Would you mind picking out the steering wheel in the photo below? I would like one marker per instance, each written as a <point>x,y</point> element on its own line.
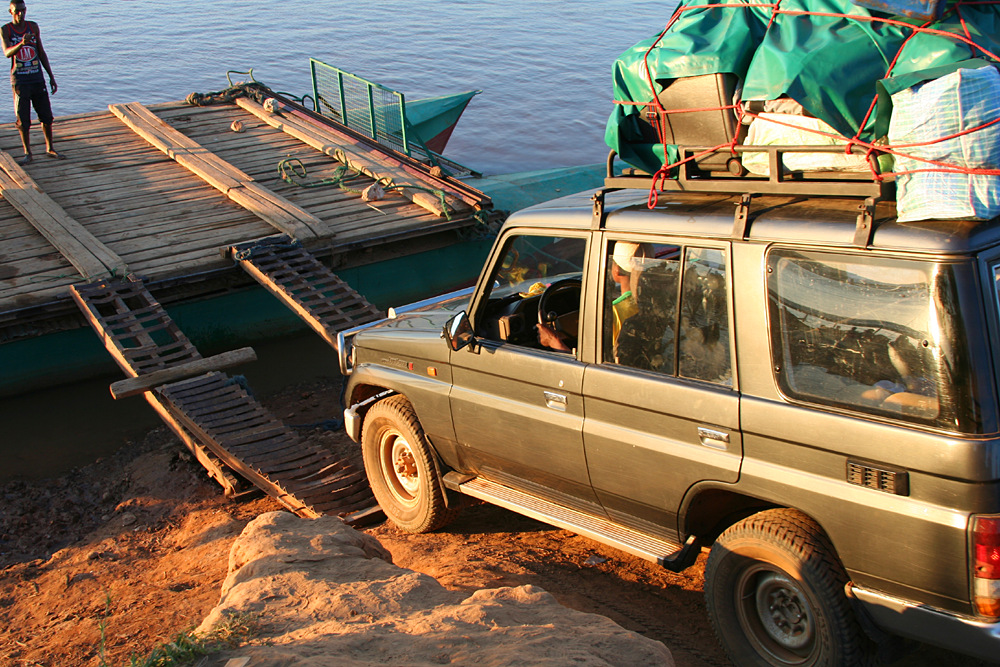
<point>559,307</point>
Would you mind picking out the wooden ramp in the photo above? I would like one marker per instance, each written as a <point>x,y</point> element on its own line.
<point>304,284</point>
<point>222,424</point>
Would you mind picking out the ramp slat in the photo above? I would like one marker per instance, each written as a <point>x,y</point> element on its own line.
<point>212,414</point>
<point>304,284</point>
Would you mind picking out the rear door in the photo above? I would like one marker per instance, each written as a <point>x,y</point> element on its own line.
<point>662,412</point>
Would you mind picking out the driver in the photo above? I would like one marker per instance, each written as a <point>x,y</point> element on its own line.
<point>626,258</point>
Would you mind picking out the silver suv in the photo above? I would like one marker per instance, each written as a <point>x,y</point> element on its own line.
<point>798,383</point>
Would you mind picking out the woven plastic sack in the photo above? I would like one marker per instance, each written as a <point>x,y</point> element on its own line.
<point>772,129</point>
<point>964,99</point>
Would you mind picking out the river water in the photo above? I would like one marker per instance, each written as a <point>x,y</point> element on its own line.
<point>544,69</point>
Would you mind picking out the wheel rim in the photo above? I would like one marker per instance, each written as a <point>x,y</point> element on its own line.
<point>776,615</point>
<point>399,467</point>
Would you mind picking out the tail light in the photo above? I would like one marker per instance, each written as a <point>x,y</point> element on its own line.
<point>986,565</point>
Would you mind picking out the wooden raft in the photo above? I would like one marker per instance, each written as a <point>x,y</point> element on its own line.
<point>82,249</point>
<point>221,175</point>
<point>215,417</point>
<point>304,284</point>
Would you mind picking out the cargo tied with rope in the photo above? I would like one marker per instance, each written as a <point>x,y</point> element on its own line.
<point>725,76</point>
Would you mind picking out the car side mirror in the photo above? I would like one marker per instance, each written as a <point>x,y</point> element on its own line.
<point>458,331</point>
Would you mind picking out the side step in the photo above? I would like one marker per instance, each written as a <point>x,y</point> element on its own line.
<point>304,284</point>
<point>670,555</point>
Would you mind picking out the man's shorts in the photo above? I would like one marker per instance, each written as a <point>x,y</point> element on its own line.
<point>27,95</point>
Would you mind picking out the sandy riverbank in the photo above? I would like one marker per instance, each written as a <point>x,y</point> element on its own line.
<point>139,542</point>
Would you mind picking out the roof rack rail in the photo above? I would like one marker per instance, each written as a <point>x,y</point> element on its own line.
<point>781,181</point>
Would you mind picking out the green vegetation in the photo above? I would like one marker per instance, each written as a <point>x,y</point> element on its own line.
<point>187,646</point>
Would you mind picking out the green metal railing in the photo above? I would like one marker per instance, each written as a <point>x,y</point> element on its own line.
<point>364,106</point>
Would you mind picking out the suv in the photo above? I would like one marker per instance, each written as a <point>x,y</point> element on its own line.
<point>808,391</point>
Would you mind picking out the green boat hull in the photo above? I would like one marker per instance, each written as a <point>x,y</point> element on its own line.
<point>239,318</point>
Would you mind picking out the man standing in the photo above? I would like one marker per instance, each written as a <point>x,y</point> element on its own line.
<point>22,43</point>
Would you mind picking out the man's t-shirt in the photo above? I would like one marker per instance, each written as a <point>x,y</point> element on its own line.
<point>25,66</point>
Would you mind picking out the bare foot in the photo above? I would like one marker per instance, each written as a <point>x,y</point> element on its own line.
<point>25,160</point>
<point>54,155</point>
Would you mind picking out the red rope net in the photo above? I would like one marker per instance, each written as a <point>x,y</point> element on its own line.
<point>871,149</point>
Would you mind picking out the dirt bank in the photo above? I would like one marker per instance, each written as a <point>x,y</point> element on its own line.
<point>138,544</point>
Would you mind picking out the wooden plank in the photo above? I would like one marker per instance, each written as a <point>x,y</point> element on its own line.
<point>220,174</point>
<point>91,258</point>
<point>215,471</point>
<point>338,149</point>
<point>189,145</point>
<point>174,147</point>
<point>144,383</point>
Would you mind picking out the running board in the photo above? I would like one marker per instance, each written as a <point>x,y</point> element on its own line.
<point>673,556</point>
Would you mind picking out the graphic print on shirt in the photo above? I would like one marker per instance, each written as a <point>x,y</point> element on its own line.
<point>26,66</point>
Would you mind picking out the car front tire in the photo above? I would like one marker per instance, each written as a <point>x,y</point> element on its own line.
<point>400,467</point>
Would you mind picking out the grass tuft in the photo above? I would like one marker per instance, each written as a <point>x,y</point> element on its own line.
<point>188,646</point>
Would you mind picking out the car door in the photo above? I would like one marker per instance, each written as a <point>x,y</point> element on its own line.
<point>517,405</point>
<point>662,412</point>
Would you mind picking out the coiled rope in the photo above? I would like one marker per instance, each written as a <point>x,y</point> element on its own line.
<point>292,171</point>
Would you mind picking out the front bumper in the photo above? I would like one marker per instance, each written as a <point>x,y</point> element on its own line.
<point>354,415</point>
<point>961,634</point>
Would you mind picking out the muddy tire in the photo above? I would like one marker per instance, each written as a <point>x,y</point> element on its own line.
<point>774,589</point>
<point>401,467</point>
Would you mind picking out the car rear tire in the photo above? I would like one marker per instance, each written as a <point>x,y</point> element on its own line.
<point>401,468</point>
<point>774,589</point>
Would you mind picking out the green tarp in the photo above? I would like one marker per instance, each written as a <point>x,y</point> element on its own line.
<point>829,64</point>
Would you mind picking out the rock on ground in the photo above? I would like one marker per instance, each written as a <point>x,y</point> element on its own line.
<point>327,594</point>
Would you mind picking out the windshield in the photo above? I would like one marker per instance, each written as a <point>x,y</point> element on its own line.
<point>879,335</point>
<point>530,263</point>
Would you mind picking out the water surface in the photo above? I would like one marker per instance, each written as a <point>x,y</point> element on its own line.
<point>545,68</point>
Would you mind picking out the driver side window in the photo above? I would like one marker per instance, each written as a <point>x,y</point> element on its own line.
<point>536,282</point>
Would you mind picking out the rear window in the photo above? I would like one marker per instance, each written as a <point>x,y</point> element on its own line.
<point>876,335</point>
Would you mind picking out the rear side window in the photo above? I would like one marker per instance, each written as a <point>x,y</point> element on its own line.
<point>666,310</point>
<point>876,335</point>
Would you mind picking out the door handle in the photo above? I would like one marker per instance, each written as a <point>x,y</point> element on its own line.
<point>713,438</point>
<point>555,401</point>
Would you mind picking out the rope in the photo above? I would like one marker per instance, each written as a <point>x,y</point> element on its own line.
<point>50,278</point>
<point>936,166</point>
<point>485,227</point>
<point>254,90</point>
<point>254,250</point>
<point>292,171</point>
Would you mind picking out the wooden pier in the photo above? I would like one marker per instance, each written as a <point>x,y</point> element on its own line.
<point>156,192</point>
<point>175,202</point>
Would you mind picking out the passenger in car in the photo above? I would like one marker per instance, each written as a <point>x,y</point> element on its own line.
<point>627,258</point>
<point>646,340</point>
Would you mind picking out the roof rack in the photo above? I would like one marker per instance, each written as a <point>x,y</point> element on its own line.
<point>781,181</point>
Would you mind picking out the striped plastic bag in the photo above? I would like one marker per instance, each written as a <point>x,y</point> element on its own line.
<point>964,99</point>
